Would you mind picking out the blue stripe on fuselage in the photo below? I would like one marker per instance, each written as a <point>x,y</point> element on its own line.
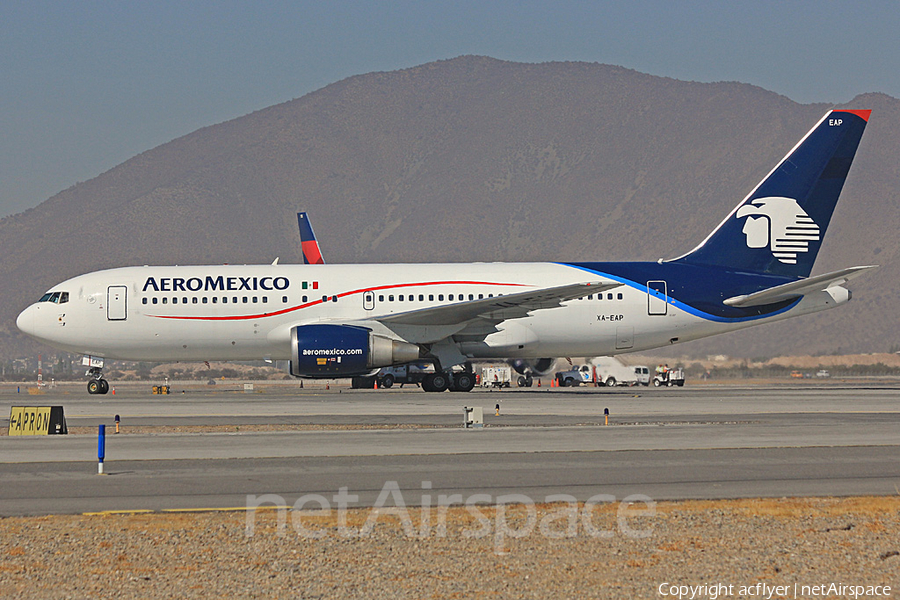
<point>696,289</point>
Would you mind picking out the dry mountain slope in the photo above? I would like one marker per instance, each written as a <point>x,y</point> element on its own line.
<point>472,159</point>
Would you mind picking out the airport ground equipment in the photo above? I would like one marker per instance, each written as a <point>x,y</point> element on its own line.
<point>669,377</point>
<point>496,377</point>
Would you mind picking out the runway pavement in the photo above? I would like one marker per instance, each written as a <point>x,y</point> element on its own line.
<point>703,442</point>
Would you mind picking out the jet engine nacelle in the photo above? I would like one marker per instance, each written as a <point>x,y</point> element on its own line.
<point>344,350</point>
<point>541,366</point>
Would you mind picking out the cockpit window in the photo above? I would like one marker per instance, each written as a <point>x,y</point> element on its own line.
<point>55,297</point>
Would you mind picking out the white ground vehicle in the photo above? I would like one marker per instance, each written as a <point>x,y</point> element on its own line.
<point>578,375</point>
<point>669,378</point>
<point>642,374</point>
<point>602,370</point>
<point>611,370</point>
<point>499,377</point>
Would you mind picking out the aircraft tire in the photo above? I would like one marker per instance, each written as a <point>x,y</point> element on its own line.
<point>529,380</point>
<point>463,382</point>
<point>93,386</point>
<point>104,386</point>
<point>436,382</point>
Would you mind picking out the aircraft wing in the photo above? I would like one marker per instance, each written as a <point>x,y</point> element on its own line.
<point>498,308</point>
<point>795,289</point>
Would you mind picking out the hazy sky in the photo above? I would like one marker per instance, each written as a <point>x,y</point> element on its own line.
<point>87,85</point>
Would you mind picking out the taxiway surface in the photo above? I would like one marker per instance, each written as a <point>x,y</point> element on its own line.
<point>704,442</point>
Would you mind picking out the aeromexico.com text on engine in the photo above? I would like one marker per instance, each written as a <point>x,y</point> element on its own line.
<point>220,283</point>
<point>333,352</point>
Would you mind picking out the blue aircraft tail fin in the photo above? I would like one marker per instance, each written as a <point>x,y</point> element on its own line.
<point>311,253</point>
<point>778,228</point>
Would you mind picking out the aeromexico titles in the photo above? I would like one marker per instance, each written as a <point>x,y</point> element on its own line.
<point>349,320</point>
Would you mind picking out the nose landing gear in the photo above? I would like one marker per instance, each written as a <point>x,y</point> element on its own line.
<point>97,385</point>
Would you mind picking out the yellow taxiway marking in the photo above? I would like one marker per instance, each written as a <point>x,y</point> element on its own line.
<point>118,512</point>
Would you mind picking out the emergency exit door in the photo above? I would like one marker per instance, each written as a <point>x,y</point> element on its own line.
<point>116,303</point>
<point>369,300</point>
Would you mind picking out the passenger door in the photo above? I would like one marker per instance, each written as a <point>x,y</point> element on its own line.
<point>116,303</point>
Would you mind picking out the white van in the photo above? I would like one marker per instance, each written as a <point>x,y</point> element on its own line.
<point>642,374</point>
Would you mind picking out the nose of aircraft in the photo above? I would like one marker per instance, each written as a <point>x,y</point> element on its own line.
<point>25,320</point>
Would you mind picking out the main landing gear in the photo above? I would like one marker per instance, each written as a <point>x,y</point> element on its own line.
<point>440,381</point>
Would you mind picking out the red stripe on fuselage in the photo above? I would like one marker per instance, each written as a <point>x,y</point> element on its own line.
<point>342,295</point>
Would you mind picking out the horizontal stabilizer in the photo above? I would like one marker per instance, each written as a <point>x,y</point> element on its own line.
<point>795,289</point>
